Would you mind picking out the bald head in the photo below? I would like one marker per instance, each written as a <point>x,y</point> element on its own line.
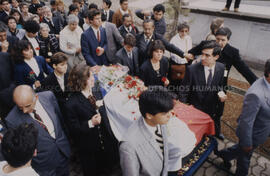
<point>25,98</point>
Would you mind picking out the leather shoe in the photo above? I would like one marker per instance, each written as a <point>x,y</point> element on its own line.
<point>220,136</point>
<point>236,10</point>
<point>225,9</point>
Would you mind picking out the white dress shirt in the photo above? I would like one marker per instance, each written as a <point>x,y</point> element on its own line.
<point>45,118</point>
<point>61,81</point>
<point>34,43</point>
<point>33,65</point>
<point>123,12</point>
<point>29,171</point>
<point>87,94</point>
<point>95,32</point>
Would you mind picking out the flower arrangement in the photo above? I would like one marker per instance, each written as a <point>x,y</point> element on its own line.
<point>134,85</point>
<point>110,76</point>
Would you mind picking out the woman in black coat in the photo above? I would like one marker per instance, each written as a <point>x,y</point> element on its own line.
<point>88,124</point>
<point>154,71</point>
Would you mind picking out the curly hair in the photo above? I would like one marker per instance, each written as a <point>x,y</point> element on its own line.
<point>17,51</point>
<point>77,80</point>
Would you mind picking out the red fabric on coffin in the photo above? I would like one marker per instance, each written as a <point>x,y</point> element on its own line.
<point>198,122</point>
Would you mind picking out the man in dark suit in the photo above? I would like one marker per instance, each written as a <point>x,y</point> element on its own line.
<point>253,124</point>
<point>144,39</point>
<point>31,30</point>
<point>43,111</point>
<point>203,83</point>
<point>6,10</point>
<point>157,16</point>
<point>128,26</point>
<point>7,84</point>
<point>54,23</point>
<point>129,56</point>
<point>106,10</point>
<point>94,41</point>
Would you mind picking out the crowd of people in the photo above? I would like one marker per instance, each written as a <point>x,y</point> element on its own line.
<point>51,105</point>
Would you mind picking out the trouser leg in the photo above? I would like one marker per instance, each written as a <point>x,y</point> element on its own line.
<point>243,161</point>
<point>228,3</point>
<point>237,3</point>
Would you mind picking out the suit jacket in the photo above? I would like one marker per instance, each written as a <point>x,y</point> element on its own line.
<point>51,83</point>
<point>89,140</point>
<point>144,47</point>
<point>124,32</point>
<point>140,153</point>
<point>3,17</point>
<point>114,40</point>
<point>22,72</point>
<point>150,76</point>
<point>196,92</point>
<point>230,57</point>
<point>160,26</point>
<point>56,27</point>
<point>111,12</point>
<point>34,51</point>
<point>133,64</point>
<point>117,17</point>
<point>7,84</point>
<point>50,151</point>
<point>89,44</point>
<point>254,121</point>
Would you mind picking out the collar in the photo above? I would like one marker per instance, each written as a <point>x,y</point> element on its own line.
<point>150,128</point>
<point>86,93</point>
<point>58,77</point>
<point>123,12</point>
<point>267,83</point>
<point>94,29</point>
<point>145,37</point>
<point>212,68</point>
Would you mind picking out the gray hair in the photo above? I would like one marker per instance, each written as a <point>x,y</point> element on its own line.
<point>72,18</point>
<point>44,25</point>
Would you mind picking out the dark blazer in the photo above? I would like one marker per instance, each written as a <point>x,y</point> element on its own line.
<point>50,151</point>
<point>133,64</point>
<point>111,12</point>
<point>78,112</point>
<point>160,26</point>
<point>56,27</point>
<point>3,17</point>
<point>51,83</point>
<point>7,84</point>
<point>143,46</point>
<point>22,72</point>
<point>124,32</point>
<point>196,92</point>
<point>230,57</point>
<point>34,52</point>
<point>11,42</point>
<point>89,44</point>
<point>150,76</point>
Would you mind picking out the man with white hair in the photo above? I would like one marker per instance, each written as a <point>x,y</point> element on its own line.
<point>53,22</point>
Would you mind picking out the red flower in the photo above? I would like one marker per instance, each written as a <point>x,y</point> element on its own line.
<point>129,97</point>
<point>138,89</point>
<point>133,83</point>
<point>133,112</point>
<point>128,78</point>
<point>110,83</point>
<point>31,72</point>
<point>37,48</point>
<point>163,79</point>
<point>136,77</point>
<point>134,118</point>
<point>97,50</point>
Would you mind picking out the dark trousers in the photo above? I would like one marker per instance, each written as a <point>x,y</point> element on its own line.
<point>243,158</point>
<point>236,3</point>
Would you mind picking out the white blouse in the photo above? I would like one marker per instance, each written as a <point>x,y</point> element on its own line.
<point>184,44</point>
<point>69,40</point>
<point>33,65</point>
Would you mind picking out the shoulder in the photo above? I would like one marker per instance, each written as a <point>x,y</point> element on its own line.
<point>46,95</point>
<point>194,66</point>
<point>119,52</point>
<point>133,133</point>
<point>220,65</point>
<point>230,49</point>
<point>146,64</point>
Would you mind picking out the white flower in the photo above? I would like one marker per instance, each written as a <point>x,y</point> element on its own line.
<point>99,103</point>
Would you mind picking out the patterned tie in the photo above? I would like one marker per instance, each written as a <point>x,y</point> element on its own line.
<point>210,78</point>
<point>98,35</point>
<point>92,101</point>
<point>159,140</point>
<point>40,121</point>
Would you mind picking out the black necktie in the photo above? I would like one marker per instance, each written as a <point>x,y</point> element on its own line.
<point>40,121</point>
<point>210,78</point>
<point>159,140</point>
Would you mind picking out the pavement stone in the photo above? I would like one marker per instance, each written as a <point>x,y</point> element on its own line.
<point>257,170</point>
<point>263,161</point>
<point>210,170</point>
